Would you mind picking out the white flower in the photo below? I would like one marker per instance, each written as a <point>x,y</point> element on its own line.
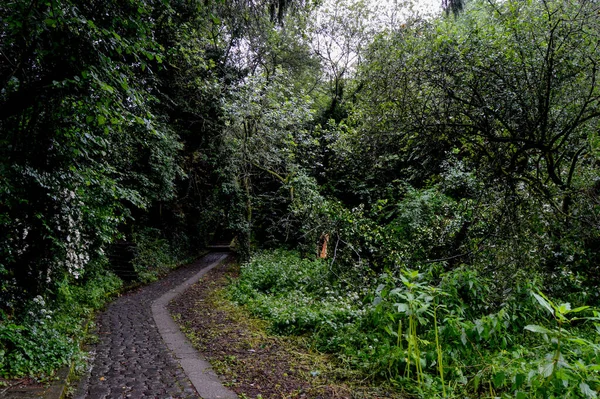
<point>39,299</point>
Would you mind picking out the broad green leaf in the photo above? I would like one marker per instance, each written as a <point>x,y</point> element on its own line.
<point>390,330</point>
<point>519,380</point>
<point>538,329</point>
<point>546,369</point>
<point>402,307</point>
<point>499,379</point>
<point>579,309</point>
<point>587,391</point>
<point>579,341</point>
<point>107,87</point>
<point>542,301</point>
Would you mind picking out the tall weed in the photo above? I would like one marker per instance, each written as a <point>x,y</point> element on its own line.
<point>431,334</point>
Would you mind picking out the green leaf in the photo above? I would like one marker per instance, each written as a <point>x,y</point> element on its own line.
<point>107,87</point>
<point>101,120</point>
<point>538,329</point>
<point>521,395</point>
<point>547,369</point>
<point>587,391</point>
<point>390,331</point>
<point>564,308</point>
<point>402,307</point>
<point>476,382</point>
<point>499,379</point>
<point>542,301</point>
<point>519,380</point>
<point>579,341</point>
<point>579,309</point>
<point>50,22</point>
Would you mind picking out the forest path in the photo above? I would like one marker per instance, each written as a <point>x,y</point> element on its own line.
<point>131,359</point>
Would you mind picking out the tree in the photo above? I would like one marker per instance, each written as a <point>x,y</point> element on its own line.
<point>265,121</point>
<point>81,143</point>
<point>503,100</point>
<point>453,6</point>
<point>526,95</point>
<point>340,31</point>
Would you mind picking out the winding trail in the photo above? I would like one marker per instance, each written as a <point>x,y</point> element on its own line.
<point>131,359</point>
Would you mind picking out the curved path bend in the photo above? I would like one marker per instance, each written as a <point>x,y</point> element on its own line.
<point>141,353</point>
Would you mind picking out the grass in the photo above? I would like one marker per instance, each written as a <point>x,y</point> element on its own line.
<point>255,362</point>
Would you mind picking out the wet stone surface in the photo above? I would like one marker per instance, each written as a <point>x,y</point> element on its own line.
<point>130,359</point>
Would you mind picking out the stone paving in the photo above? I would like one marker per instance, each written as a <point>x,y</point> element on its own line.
<point>131,360</point>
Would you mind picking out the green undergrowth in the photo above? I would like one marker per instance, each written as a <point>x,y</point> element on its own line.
<point>48,335</point>
<point>244,350</point>
<point>428,332</point>
<point>156,256</point>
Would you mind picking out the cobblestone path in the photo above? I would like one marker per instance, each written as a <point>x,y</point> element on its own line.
<point>130,359</point>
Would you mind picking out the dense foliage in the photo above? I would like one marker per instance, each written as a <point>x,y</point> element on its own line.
<point>456,186</point>
<point>430,333</point>
<point>111,121</point>
<point>444,169</point>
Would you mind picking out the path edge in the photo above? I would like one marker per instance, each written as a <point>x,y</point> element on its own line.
<point>197,369</point>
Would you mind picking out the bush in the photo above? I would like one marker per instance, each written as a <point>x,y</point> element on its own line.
<point>293,293</point>
<point>155,255</point>
<point>281,272</point>
<point>431,333</point>
<point>33,350</point>
<point>47,336</point>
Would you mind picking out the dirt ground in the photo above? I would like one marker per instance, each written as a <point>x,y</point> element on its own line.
<point>252,362</point>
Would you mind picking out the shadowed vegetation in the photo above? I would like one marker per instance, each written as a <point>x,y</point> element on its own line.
<point>415,195</point>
